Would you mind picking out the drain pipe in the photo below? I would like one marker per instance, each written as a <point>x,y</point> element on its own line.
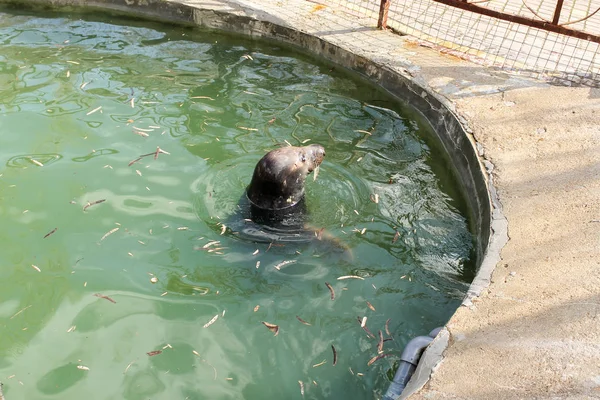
<point>408,363</point>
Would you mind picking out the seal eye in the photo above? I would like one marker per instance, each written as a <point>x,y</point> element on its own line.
<point>303,158</point>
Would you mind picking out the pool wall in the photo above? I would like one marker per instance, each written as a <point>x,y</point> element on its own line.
<point>487,220</point>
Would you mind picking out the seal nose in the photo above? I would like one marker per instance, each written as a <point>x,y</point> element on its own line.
<point>318,154</point>
<point>319,150</point>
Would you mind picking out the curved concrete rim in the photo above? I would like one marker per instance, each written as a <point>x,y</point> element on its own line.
<point>490,225</point>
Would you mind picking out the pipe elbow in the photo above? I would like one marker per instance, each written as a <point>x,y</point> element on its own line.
<point>408,363</point>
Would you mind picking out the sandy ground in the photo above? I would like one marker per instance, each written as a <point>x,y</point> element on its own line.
<point>535,332</point>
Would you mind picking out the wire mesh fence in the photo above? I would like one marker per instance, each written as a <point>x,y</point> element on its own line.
<point>510,45</point>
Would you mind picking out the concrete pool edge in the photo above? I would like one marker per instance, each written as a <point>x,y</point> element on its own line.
<point>452,129</point>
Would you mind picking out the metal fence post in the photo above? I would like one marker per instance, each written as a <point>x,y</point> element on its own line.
<point>559,4</point>
<point>384,8</point>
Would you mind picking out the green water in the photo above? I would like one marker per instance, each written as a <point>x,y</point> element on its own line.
<point>216,105</point>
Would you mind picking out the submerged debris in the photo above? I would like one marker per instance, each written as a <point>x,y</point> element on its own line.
<point>104,297</point>
<point>50,233</point>
<point>207,245</point>
<point>93,203</point>
<point>20,311</point>
<point>126,369</point>
<point>303,321</point>
<point>334,355</point>
<point>94,110</point>
<point>377,357</point>
<point>330,290</point>
<point>387,327</point>
<point>380,343</point>
<point>154,153</point>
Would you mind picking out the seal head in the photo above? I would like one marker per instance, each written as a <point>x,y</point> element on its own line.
<point>279,177</point>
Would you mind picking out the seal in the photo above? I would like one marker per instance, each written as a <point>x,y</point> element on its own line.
<point>273,208</point>
<point>276,192</point>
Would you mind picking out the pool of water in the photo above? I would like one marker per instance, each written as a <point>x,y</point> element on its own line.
<point>123,281</point>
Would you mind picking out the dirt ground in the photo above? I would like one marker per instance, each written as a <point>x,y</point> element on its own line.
<point>535,333</point>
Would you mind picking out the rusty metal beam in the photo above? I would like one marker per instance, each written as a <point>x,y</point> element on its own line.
<point>384,8</point>
<point>556,17</point>
<point>547,26</point>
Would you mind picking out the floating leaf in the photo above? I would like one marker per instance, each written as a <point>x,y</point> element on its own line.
<point>363,324</point>
<point>350,277</point>
<point>281,264</point>
<point>212,321</point>
<point>377,357</point>
<point>109,233</point>
<point>370,306</point>
<point>272,327</point>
